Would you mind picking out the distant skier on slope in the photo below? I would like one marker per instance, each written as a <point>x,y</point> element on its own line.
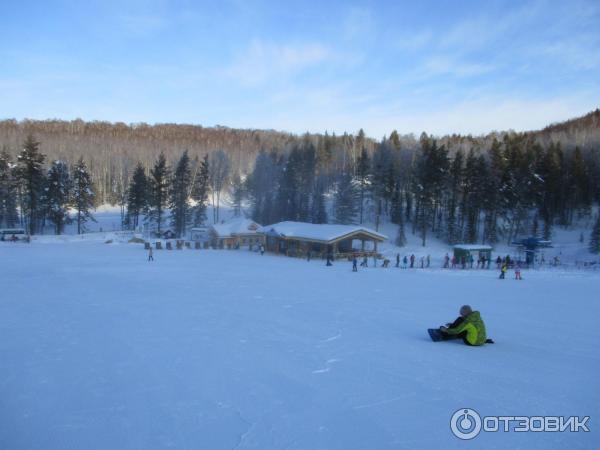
<point>469,327</point>
<point>518,271</point>
<point>150,256</point>
<point>503,271</point>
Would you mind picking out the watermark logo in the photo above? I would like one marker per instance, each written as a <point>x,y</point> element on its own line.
<point>466,423</point>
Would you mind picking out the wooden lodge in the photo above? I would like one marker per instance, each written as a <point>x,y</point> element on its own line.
<point>236,233</point>
<point>299,238</point>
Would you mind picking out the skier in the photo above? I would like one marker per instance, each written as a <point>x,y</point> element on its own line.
<point>422,262</point>
<point>518,271</point>
<point>463,262</point>
<point>354,264</point>
<point>386,263</point>
<point>503,271</point>
<point>397,259</point>
<point>405,262</point>
<point>454,262</point>
<point>498,262</point>
<point>469,327</point>
<point>308,255</point>
<point>365,262</point>
<point>412,261</point>
<point>446,261</point>
<point>471,260</point>
<point>150,257</point>
<point>262,249</point>
<point>428,261</point>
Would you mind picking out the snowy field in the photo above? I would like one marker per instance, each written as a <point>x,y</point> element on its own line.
<point>100,349</point>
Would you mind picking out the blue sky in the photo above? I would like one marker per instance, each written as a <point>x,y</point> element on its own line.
<point>440,67</point>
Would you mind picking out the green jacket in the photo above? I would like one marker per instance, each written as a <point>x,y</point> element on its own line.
<point>475,328</point>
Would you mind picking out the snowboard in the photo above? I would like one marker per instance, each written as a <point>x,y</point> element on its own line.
<point>435,334</point>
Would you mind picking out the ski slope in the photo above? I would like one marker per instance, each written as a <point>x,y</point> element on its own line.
<point>101,349</point>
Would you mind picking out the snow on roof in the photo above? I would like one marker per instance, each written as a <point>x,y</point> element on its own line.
<point>472,247</point>
<point>317,232</point>
<point>239,225</point>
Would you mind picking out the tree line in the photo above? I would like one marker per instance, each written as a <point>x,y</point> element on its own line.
<point>516,186</point>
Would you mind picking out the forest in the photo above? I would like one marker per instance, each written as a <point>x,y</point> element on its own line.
<point>481,189</point>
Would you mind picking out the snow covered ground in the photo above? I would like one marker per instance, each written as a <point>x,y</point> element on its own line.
<point>208,349</point>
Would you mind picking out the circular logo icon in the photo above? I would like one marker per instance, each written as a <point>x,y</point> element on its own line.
<point>465,423</point>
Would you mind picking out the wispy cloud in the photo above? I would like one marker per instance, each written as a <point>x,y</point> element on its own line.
<point>263,61</point>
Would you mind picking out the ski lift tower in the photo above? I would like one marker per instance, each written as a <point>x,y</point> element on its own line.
<point>530,246</point>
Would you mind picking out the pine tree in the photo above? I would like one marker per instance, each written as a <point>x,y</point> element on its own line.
<point>400,236</point>
<point>56,197</point>
<point>178,199</point>
<point>363,168</point>
<point>8,192</point>
<point>455,184</point>
<point>200,190</point>
<point>319,213</point>
<point>31,177</point>
<point>594,244</point>
<point>237,192</point>
<point>159,192</point>
<point>137,196</point>
<point>346,199</point>
<point>220,166</point>
<point>83,195</point>
<point>429,181</point>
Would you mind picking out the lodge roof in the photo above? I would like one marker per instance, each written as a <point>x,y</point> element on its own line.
<point>326,233</point>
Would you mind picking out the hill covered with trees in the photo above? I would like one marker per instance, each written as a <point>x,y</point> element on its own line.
<point>459,188</point>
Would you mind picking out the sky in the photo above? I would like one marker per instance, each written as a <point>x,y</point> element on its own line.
<point>443,67</point>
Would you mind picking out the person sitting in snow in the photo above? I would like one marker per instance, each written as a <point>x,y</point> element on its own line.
<point>468,326</point>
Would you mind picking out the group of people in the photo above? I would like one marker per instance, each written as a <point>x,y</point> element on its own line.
<point>466,261</point>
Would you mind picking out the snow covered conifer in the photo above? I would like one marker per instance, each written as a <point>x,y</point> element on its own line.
<point>178,199</point>
<point>56,197</point>
<point>8,193</point>
<point>83,195</point>
<point>594,244</point>
<point>31,176</point>
<point>159,192</point>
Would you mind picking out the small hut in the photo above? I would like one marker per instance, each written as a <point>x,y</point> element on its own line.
<point>475,250</point>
